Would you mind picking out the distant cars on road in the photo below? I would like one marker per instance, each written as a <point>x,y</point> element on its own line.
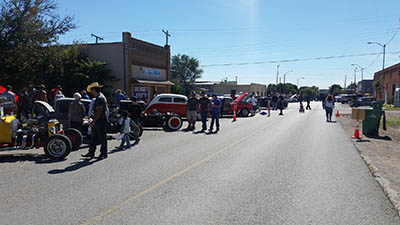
<point>363,101</point>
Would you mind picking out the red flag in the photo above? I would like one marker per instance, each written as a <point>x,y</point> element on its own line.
<point>2,89</point>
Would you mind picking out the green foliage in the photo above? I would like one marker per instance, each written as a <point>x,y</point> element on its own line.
<point>335,89</point>
<point>27,28</point>
<point>311,92</point>
<point>185,70</point>
<point>288,88</point>
<point>352,86</point>
<point>71,67</point>
<point>377,86</point>
<point>176,88</point>
<point>272,88</point>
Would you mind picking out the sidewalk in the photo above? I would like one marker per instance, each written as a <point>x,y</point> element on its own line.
<point>382,154</point>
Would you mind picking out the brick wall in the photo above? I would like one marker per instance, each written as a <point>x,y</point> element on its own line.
<point>389,82</point>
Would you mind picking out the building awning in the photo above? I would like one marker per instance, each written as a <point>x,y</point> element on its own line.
<point>152,82</point>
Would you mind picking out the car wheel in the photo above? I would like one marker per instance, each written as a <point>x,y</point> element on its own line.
<point>244,112</point>
<point>136,132</point>
<point>174,122</point>
<point>58,146</point>
<point>75,136</point>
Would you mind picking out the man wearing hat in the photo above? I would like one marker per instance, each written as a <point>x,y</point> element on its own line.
<point>99,123</point>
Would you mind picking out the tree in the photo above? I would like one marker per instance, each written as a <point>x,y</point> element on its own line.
<point>27,28</point>
<point>185,70</point>
<point>335,89</point>
<point>71,67</point>
<point>311,92</point>
<point>377,86</point>
<point>272,88</point>
<point>287,88</point>
<point>352,86</point>
<point>176,88</point>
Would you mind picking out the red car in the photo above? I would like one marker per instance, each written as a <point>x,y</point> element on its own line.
<point>168,103</point>
<point>241,105</point>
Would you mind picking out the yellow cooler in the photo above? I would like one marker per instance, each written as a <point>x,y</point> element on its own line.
<point>6,127</point>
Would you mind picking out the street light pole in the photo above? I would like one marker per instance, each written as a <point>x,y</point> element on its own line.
<point>362,76</point>
<point>383,67</point>
<point>284,81</point>
<point>277,73</point>
<point>355,79</point>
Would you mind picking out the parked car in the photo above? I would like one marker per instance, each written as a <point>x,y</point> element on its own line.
<point>157,114</point>
<point>61,109</point>
<point>363,101</point>
<point>348,97</point>
<point>43,130</point>
<point>291,99</point>
<point>338,98</point>
<point>168,103</point>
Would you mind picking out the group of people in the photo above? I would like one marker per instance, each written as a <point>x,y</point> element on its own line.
<point>206,107</point>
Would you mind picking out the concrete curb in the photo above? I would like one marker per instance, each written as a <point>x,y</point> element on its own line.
<point>392,195</point>
<point>383,183</point>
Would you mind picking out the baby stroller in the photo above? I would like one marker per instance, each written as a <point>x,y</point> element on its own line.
<point>301,110</point>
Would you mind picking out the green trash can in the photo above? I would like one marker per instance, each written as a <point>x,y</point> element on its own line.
<point>370,125</point>
<point>377,105</point>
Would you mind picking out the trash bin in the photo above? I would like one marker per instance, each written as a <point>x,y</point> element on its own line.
<point>377,105</point>
<point>370,125</point>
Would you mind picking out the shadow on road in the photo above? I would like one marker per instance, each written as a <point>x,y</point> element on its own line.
<point>29,157</point>
<point>74,166</point>
<point>117,149</point>
<point>378,137</point>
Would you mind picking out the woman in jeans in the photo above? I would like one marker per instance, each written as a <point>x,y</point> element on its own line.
<point>329,105</point>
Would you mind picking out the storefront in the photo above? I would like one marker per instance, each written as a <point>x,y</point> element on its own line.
<point>142,68</point>
<point>147,82</point>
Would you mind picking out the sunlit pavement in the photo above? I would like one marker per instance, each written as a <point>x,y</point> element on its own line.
<point>291,169</point>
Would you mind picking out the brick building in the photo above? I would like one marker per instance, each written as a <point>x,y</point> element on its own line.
<point>388,83</point>
<point>142,68</point>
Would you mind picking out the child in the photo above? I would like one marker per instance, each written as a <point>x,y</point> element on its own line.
<point>125,123</point>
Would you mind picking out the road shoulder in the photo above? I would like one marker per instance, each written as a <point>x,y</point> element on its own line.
<point>382,156</point>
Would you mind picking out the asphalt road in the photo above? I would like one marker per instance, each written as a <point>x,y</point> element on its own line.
<point>291,169</point>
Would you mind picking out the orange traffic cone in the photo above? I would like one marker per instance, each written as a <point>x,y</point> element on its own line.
<point>234,116</point>
<point>337,113</point>
<point>357,131</point>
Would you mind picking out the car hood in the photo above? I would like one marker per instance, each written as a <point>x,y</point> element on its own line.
<point>45,105</point>
<point>238,99</point>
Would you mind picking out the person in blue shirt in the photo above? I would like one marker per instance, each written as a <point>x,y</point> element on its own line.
<point>84,95</point>
<point>118,97</point>
<point>215,112</point>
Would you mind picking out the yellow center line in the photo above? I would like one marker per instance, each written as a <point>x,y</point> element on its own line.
<point>196,164</point>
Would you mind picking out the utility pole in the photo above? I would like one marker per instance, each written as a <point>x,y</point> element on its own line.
<point>345,80</point>
<point>167,35</point>
<point>277,73</point>
<point>97,38</point>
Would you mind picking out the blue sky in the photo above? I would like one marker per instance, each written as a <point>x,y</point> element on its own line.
<point>237,31</point>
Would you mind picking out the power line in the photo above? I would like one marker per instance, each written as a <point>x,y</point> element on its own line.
<point>296,60</point>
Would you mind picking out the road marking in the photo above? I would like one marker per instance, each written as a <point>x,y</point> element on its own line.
<point>196,164</point>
